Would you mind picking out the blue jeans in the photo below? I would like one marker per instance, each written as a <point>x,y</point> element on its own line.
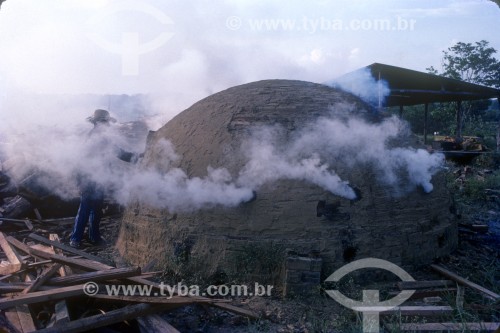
<point>90,210</point>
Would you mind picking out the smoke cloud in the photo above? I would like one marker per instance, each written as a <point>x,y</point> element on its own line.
<point>313,152</point>
<point>362,84</point>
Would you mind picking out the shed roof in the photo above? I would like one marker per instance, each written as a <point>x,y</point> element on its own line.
<point>410,87</point>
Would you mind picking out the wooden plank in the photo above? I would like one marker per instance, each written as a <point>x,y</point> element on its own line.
<point>465,282</point>
<point>41,296</point>
<point>14,263</point>
<point>42,278</point>
<point>111,317</point>
<point>174,300</point>
<point>96,266</point>
<point>419,311</point>
<point>18,244</point>
<point>65,270</point>
<point>37,214</point>
<point>155,324</point>
<point>63,247</point>
<point>25,319</point>
<point>61,308</point>
<point>408,285</point>
<point>235,309</point>
<point>28,225</point>
<point>419,294</point>
<point>459,327</point>
<point>109,274</point>
<point>13,320</point>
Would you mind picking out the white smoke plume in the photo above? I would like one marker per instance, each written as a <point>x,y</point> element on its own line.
<point>345,143</point>
<point>61,156</point>
<point>362,84</point>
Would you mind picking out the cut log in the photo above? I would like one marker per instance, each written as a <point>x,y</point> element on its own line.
<point>490,294</point>
<point>101,320</point>
<point>109,274</point>
<point>41,296</point>
<point>408,285</point>
<point>63,247</point>
<point>14,264</point>
<point>155,324</point>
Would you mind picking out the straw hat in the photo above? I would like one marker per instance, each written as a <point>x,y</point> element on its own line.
<point>101,116</point>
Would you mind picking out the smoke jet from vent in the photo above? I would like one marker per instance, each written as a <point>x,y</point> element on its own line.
<point>308,154</point>
<point>362,84</point>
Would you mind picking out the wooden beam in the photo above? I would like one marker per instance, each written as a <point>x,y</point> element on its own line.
<point>490,294</point>
<point>155,323</point>
<point>63,247</point>
<point>446,327</point>
<point>109,274</point>
<point>14,263</point>
<point>41,296</point>
<point>408,285</point>
<point>18,244</point>
<point>42,278</point>
<point>111,317</point>
<point>459,114</point>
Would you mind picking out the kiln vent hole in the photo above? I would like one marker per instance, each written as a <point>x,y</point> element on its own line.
<point>441,241</point>
<point>350,253</point>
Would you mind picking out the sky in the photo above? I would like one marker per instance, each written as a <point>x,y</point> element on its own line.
<point>182,51</point>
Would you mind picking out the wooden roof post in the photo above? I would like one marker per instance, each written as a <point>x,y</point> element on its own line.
<point>459,121</point>
<point>425,122</point>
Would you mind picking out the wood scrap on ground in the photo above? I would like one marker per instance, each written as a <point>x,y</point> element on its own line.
<point>32,289</point>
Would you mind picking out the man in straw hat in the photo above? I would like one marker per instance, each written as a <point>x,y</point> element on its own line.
<point>92,193</point>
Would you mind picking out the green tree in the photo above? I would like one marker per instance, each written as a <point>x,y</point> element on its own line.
<point>475,63</point>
